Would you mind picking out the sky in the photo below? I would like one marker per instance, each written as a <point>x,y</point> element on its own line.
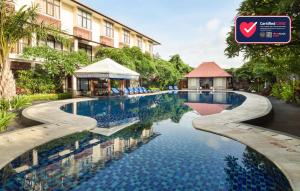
<point>194,29</point>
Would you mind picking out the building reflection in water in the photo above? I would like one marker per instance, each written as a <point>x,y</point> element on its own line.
<point>58,165</point>
<point>208,103</point>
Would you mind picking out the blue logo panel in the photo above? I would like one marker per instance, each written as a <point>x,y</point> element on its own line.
<point>263,29</point>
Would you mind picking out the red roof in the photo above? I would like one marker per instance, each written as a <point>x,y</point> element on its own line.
<point>207,109</point>
<point>206,70</point>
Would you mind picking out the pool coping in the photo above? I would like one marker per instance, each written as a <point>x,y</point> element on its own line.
<point>227,123</point>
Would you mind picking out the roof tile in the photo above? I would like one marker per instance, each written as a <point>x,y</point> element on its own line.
<point>208,69</point>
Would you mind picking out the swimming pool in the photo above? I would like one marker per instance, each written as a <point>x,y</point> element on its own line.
<point>162,151</point>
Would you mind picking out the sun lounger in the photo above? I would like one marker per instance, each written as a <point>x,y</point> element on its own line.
<point>115,91</point>
<point>126,91</point>
<point>146,91</point>
<point>136,90</point>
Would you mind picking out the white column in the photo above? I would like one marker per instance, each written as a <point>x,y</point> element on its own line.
<point>74,84</point>
<point>75,45</point>
<point>74,108</point>
<point>35,159</point>
<point>34,40</point>
<point>76,144</point>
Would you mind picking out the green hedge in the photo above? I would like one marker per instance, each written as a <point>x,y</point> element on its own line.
<point>46,97</point>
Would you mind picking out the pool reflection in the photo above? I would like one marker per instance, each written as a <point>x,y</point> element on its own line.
<point>110,112</point>
<point>66,162</point>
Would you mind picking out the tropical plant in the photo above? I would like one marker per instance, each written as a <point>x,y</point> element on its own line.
<point>282,60</point>
<point>14,26</point>
<point>154,71</point>
<point>57,65</point>
<point>276,90</point>
<point>5,118</point>
<point>287,92</point>
<point>4,104</point>
<point>19,102</point>
<point>35,81</point>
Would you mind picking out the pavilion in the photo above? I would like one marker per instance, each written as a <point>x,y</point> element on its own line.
<point>96,78</point>
<point>208,75</point>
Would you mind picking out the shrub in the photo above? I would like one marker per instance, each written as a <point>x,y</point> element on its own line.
<point>5,118</point>
<point>276,90</point>
<point>4,105</point>
<point>35,81</point>
<point>19,102</point>
<point>287,93</point>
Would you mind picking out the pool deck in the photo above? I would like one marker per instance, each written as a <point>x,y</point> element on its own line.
<point>283,150</point>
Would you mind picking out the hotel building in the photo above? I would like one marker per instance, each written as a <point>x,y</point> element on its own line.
<point>88,29</point>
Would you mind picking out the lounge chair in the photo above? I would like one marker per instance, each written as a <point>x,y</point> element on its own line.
<point>136,90</point>
<point>126,91</point>
<point>146,91</point>
<point>131,91</point>
<point>143,90</point>
<point>171,88</point>
<point>115,91</point>
<point>175,88</point>
<point>140,89</point>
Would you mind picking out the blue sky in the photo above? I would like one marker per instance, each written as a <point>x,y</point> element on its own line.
<point>196,29</point>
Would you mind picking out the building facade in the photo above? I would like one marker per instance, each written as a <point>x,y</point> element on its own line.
<point>88,29</point>
<point>208,75</point>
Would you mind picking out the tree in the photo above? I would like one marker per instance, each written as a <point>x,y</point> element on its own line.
<point>153,71</point>
<point>179,64</point>
<point>57,64</point>
<point>14,25</point>
<point>286,57</point>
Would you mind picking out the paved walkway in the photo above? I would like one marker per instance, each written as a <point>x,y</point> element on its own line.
<point>286,118</point>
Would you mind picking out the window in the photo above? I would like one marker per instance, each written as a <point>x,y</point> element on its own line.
<point>126,37</point>
<point>51,42</point>
<point>86,48</point>
<point>84,19</point>
<point>51,7</point>
<point>140,42</point>
<point>83,84</point>
<point>109,31</point>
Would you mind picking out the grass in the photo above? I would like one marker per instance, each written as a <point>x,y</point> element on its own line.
<point>48,97</point>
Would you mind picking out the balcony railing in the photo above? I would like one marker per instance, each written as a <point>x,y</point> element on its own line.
<point>107,41</point>
<point>19,47</point>
<point>82,33</point>
<point>48,20</point>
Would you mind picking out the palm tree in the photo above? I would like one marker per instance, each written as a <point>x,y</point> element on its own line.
<point>14,26</point>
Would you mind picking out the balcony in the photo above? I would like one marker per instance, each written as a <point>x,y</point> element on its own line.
<point>82,33</point>
<point>107,41</point>
<point>122,44</point>
<point>18,48</point>
<point>49,21</point>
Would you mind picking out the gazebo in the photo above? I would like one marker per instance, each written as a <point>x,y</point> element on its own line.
<point>96,78</point>
<point>208,75</point>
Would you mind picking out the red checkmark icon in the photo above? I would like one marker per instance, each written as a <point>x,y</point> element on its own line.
<point>248,29</point>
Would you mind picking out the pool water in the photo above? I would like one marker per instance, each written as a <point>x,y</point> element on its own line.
<point>111,112</point>
<point>162,151</point>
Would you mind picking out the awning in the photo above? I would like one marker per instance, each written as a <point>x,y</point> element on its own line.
<point>107,68</point>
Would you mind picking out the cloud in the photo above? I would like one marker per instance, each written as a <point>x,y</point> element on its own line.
<point>213,24</point>
<point>208,44</point>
